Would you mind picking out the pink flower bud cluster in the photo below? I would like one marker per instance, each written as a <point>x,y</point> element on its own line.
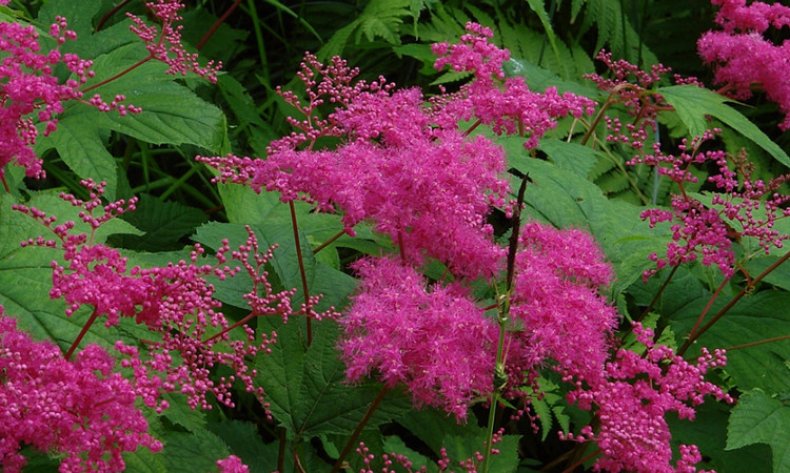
<point>232,464</point>
<point>79,409</point>
<point>175,302</point>
<point>506,104</point>
<point>752,206</point>
<point>31,94</point>
<point>164,43</point>
<point>631,397</point>
<point>630,86</point>
<point>437,343</point>
<point>742,56</point>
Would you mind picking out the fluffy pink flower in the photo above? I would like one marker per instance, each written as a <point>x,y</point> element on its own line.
<point>506,104</point>
<point>742,56</point>
<point>560,316</point>
<point>80,409</point>
<point>428,189</point>
<point>437,343</point>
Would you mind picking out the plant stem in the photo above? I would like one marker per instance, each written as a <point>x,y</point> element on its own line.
<point>401,250</point>
<point>708,306</point>
<point>329,241</point>
<point>358,430</point>
<point>213,29</point>
<point>302,273</point>
<point>693,337</point>
<point>596,120</point>
<point>473,127</point>
<point>758,342</point>
<point>581,461</point>
<point>243,321</point>
<point>5,184</point>
<point>120,74</point>
<point>298,463</point>
<point>110,14</point>
<point>658,294</point>
<point>500,378</point>
<point>82,333</point>
<point>281,450</point>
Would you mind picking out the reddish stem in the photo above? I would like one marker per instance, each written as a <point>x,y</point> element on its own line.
<point>302,273</point>
<point>358,430</point>
<point>82,333</point>
<point>708,306</point>
<point>400,247</point>
<point>473,127</point>
<point>5,184</point>
<point>329,241</point>
<point>120,74</point>
<point>758,342</point>
<point>208,34</point>
<point>110,14</point>
<point>693,337</point>
<point>592,455</point>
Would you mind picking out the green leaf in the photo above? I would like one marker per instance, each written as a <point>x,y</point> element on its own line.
<point>164,223</point>
<point>144,461</point>
<point>693,103</point>
<point>26,276</point>
<point>571,156</point>
<point>193,420</point>
<point>306,386</point>
<point>758,418</point>
<point>245,442</point>
<point>539,7</point>
<point>80,145</point>
<point>438,430</point>
<point>172,114</point>
<point>758,317</point>
<point>193,452</point>
<point>708,431</point>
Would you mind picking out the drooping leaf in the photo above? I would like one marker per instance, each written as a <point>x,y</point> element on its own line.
<point>694,103</point>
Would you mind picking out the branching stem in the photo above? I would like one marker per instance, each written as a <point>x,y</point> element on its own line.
<point>358,430</point>
<point>302,272</point>
<point>82,333</point>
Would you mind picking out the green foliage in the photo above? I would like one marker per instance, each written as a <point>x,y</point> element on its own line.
<point>759,418</point>
<point>573,182</point>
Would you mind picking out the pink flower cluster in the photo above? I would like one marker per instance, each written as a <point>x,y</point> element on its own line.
<point>232,464</point>
<point>698,230</point>
<point>80,409</point>
<point>632,396</point>
<point>437,343</point>
<point>506,104</point>
<point>634,88</point>
<point>175,302</point>
<point>164,43</point>
<point>30,92</point>
<point>561,318</point>
<point>429,189</point>
<point>742,56</point>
